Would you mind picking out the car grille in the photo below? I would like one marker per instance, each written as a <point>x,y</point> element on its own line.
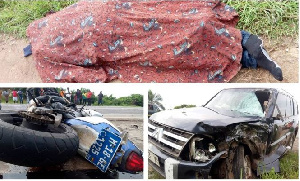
<point>167,139</point>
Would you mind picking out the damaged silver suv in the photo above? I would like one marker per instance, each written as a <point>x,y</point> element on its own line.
<point>239,133</point>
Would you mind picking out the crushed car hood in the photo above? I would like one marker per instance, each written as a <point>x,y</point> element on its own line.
<point>198,120</point>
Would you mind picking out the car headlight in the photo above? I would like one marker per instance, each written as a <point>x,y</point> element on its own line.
<point>201,149</point>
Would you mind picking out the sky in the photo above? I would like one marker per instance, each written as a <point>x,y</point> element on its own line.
<point>198,94</point>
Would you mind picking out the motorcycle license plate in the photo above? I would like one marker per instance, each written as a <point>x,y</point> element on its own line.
<point>103,149</point>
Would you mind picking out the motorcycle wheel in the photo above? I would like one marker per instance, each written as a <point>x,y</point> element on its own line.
<point>31,147</point>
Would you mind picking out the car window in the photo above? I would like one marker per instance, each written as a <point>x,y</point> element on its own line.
<point>280,105</point>
<point>295,107</point>
<point>289,107</point>
<point>296,111</point>
<point>284,105</point>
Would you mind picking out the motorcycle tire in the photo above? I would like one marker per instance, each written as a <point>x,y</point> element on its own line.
<point>33,148</point>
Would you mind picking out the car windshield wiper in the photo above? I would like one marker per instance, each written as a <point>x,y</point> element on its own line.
<point>212,110</point>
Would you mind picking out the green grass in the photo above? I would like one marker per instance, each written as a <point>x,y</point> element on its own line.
<point>15,16</point>
<point>152,174</point>
<point>289,168</point>
<point>10,100</point>
<point>270,18</point>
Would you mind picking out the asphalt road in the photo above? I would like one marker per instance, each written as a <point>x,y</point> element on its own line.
<point>109,112</point>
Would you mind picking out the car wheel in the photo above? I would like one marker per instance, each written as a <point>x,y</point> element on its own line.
<point>27,146</point>
<point>241,164</point>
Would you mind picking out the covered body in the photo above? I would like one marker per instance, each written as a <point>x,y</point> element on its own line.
<point>157,41</point>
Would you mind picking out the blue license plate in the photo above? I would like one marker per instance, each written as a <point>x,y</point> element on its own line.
<point>103,150</point>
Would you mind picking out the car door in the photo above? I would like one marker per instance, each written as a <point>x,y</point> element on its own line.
<point>283,117</point>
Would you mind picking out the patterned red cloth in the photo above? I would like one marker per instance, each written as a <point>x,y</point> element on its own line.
<point>163,41</point>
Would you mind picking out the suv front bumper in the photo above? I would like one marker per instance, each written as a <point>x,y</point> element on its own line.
<point>171,168</point>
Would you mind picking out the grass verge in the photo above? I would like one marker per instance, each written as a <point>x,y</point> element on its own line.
<point>270,18</point>
<point>289,167</point>
<point>16,15</point>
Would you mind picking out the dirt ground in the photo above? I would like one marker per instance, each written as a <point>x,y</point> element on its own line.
<point>134,128</point>
<point>14,67</point>
<point>286,53</point>
<point>17,69</point>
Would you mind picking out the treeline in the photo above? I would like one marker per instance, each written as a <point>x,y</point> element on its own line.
<point>184,106</point>
<point>134,99</point>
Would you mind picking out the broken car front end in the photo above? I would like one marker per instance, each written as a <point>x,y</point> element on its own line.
<point>232,136</point>
<point>168,153</point>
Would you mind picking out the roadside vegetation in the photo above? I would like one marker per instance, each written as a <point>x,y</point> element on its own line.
<point>184,106</point>
<point>16,15</point>
<point>269,18</point>
<point>289,167</point>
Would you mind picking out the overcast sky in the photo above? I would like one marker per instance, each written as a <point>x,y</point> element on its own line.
<point>198,94</point>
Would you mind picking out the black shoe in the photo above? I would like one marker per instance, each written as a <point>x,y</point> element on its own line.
<point>264,61</point>
<point>254,45</point>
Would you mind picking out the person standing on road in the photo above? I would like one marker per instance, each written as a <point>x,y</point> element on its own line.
<point>62,93</point>
<point>6,95</point>
<point>84,98</point>
<point>100,97</point>
<point>68,94</point>
<point>89,95</point>
<point>79,97</point>
<point>15,96</point>
<point>20,94</point>
<point>42,92</point>
<point>1,95</point>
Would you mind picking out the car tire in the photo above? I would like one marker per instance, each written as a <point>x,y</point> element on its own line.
<point>241,164</point>
<point>33,148</point>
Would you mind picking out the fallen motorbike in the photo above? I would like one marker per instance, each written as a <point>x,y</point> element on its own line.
<point>53,130</point>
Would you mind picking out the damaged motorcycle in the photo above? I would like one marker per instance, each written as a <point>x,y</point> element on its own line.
<point>239,133</point>
<point>52,130</point>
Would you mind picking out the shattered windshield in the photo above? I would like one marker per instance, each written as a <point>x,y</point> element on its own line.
<point>236,102</point>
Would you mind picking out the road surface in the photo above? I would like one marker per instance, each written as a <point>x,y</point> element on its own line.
<point>109,112</point>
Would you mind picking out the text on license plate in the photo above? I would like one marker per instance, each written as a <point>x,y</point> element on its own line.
<point>103,149</point>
